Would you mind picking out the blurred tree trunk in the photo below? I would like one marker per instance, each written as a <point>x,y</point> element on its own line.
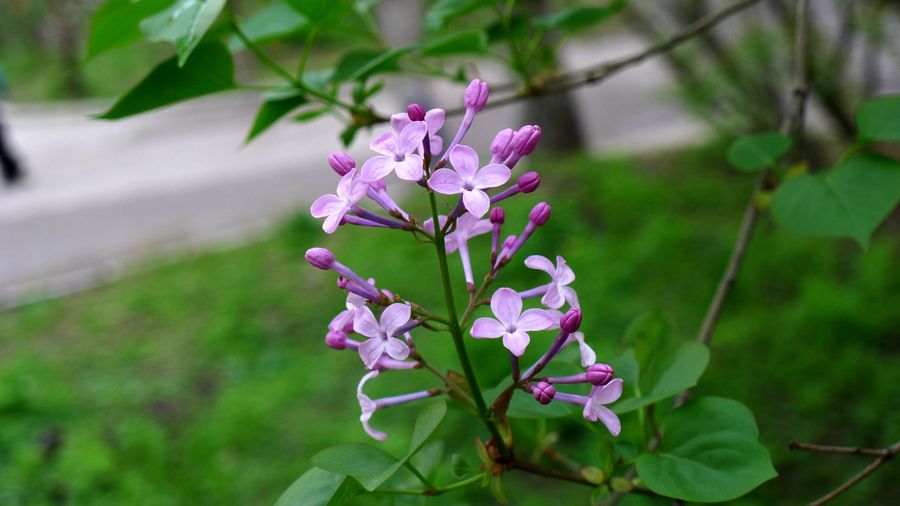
<point>66,19</point>
<point>555,114</point>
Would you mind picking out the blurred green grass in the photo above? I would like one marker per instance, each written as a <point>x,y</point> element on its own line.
<point>205,380</point>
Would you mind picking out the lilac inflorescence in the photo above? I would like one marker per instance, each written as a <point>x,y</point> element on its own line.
<point>378,325</point>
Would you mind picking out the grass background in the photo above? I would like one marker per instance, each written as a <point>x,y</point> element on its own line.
<point>205,380</point>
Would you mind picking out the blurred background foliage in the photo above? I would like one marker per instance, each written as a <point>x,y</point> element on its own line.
<point>205,380</point>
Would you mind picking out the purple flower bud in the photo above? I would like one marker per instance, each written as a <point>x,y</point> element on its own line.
<point>528,182</point>
<point>336,340</point>
<point>528,145</point>
<point>476,95</point>
<point>320,258</point>
<point>571,320</point>
<point>415,112</point>
<point>521,137</point>
<point>600,374</point>
<point>508,242</point>
<point>543,392</point>
<point>502,145</point>
<point>341,162</point>
<point>498,215</point>
<point>540,214</point>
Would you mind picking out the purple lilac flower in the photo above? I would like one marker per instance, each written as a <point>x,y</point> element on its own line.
<point>588,356</point>
<point>474,101</point>
<point>511,323</point>
<point>334,207</point>
<point>556,292</point>
<point>434,120</point>
<point>596,374</point>
<point>468,179</point>
<point>537,217</point>
<point>398,154</point>
<point>523,143</point>
<point>527,183</point>
<point>467,227</point>
<point>501,146</point>
<point>543,392</point>
<point>381,333</point>
<point>594,404</point>
<point>341,162</point>
<point>368,407</point>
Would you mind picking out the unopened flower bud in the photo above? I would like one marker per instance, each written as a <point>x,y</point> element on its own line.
<point>498,215</point>
<point>528,182</point>
<point>320,258</point>
<point>571,320</point>
<point>540,213</point>
<point>521,137</point>
<point>341,162</point>
<point>543,392</point>
<point>502,145</point>
<point>528,145</point>
<point>600,374</point>
<point>476,95</point>
<point>415,112</point>
<point>336,340</point>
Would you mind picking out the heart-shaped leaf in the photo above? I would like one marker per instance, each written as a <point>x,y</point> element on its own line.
<point>472,41</point>
<point>670,371</point>
<point>709,453</point>
<point>879,119</point>
<point>318,487</point>
<point>849,200</point>
<point>184,24</point>
<point>756,152</point>
<point>274,109</point>
<point>116,23</point>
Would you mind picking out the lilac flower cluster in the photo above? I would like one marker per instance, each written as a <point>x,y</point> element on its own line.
<point>413,151</point>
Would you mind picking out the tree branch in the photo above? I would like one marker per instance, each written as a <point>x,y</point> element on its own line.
<point>886,454</point>
<point>550,473</point>
<point>851,450</point>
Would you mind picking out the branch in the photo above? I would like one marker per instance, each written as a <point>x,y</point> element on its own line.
<point>885,455</point>
<point>603,71</point>
<point>851,450</point>
<point>550,473</point>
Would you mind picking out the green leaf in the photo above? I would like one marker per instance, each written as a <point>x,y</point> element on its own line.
<point>275,22</point>
<point>369,465</point>
<point>116,23</point>
<point>373,466</point>
<point>878,119</point>
<point>315,487</point>
<point>314,10</point>
<point>671,371</point>
<point>272,110</point>
<point>210,70</point>
<point>363,63</point>
<point>310,114</point>
<point>579,17</point>
<point>184,24</point>
<point>849,200</point>
<point>472,41</point>
<point>649,333</point>
<point>756,152</point>
<point>459,468</point>
<point>709,453</point>
<point>445,10</point>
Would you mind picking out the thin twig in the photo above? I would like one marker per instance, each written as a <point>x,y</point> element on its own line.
<point>889,452</point>
<point>851,450</point>
<point>550,473</point>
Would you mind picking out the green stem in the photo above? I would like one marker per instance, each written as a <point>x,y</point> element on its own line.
<point>419,475</point>
<point>456,333</point>
<point>432,491</point>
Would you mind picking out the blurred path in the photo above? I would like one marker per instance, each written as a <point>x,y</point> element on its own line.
<point>102,196</point>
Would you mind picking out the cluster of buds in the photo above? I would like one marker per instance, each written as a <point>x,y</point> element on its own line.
<point>413,150</point>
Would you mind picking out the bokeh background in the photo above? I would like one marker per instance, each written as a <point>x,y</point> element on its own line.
<point>161,337</point>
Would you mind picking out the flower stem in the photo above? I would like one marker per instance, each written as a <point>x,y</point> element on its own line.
<point>456,333</point>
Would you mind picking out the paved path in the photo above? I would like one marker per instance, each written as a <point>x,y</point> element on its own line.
<point>104,196</point>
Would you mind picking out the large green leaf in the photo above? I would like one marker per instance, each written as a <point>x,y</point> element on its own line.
<point>669,372</point>
<point>209,71</point>
<point>649,333</point>
<point>116,23</point>
<point>445,10</point>
<point>373,466</point>
<point>314,10</point>
<point>184,24</point>
<point>471,41</point>
<point>316,487</point>
<point>849,200</point>
<point>756,152</point>
<point>274,22</point>
<point>879,119</point>
<point>709,453</point>
<point>273,109</point>
<point>578,17</point>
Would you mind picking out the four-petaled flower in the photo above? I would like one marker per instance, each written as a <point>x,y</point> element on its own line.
<point>381,333</point>
<point>468,179</point>
<point>398,153</point>
<point>560,276</point>
<point>511,323</point>
<point>467,227</point>
<point>368,407</point>
<point>434,120</point>
<point>333,207</point>
<point>594,408</point>
<point>588,356</point>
